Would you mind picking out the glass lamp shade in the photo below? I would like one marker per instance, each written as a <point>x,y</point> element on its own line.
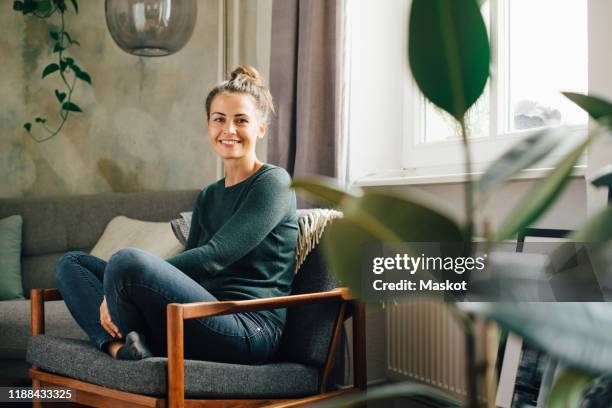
<point>151,28</point>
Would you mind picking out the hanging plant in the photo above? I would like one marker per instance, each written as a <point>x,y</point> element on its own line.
<point>65,65</point>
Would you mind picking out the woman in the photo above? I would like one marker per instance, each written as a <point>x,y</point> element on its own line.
<point>241,246</point>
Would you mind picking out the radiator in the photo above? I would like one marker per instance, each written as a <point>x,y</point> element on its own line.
<point>425,344</point>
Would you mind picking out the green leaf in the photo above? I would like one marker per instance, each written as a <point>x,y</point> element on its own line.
<point>394,391</point>
<point>63,65</point>
<point>539,198</point>
<point>27,126</point>
<point>343,239</point>
<point>325,189</point>
<point>54,35</point>
<point>49,69</point>
<point>449,52</point>
<point>75,5</point>
<point>69,106</point>
<point>70,39</point>
<point>18,5</point>
<point>84,76</point>
<point>61,5</point>
<point>603,178</point>
<point>410,219</point>
<point>575,333</point>
<point>525,153</point>
<point>28,7</point>
<point>60,95</point>
<point>380,218</point>
<point>568,389</point>
<point>597,108</point>
<point>57,48</point>
<point>43,6</point>
<point>40,120</point>
<point>598,228</point>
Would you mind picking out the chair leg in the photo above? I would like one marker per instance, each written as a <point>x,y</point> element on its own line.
<point>36,403</point>
<point>359,346</point>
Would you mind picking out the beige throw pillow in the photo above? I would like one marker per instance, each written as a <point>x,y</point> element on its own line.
<point>121,232</point>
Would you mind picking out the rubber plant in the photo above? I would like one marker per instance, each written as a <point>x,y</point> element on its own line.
<point>449,56</point>
<point>64,66</point>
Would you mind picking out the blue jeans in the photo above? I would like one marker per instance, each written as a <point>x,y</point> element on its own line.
<point>137,287</point>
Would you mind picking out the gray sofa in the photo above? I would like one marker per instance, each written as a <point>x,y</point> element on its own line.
<point>51,227</point>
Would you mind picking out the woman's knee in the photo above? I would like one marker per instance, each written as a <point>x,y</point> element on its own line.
<point>126,264</point>
<point>66,265</point>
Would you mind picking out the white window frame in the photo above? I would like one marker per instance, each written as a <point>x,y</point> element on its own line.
<point>446,157</point>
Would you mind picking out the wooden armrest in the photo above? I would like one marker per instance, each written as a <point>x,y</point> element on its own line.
<point>208,309</point>
<point>38,297</point>
<point>46,295</point>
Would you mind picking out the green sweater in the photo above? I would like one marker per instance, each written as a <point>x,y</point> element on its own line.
<point>242,239</point>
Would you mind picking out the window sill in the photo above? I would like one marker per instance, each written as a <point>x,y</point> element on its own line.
<point>425,176</point>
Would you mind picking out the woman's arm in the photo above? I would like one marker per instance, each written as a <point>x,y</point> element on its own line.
<point>195,230</point>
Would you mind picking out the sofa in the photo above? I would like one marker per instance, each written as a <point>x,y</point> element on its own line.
<point>51,227</point>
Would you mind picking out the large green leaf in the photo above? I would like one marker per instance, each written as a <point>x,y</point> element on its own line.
<point>542,195</point>
<point>577,334</point>
<point>598,228</point>
<point>324,189</point>
<point>449,52</point>
<point>412,220</point>
<point>343,242</point>
<point>394,392</point>
<point>568,389</point>
<point>523,154</point>
<point>380,218</point>
<point>597,108</point>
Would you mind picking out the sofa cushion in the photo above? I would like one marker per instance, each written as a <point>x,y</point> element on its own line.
<point>10,258</point>
<point>156,238</point>
<point>15,325</point>
<point>37,272</point>
<point>61,224</point>
<point>203,379</point>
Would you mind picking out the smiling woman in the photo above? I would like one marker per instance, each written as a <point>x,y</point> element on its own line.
<point>241,245</point>
<point>238,112</point>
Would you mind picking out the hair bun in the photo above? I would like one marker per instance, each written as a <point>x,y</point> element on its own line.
<point>246,72</point>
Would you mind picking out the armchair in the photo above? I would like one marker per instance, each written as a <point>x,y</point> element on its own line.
<point>297,376</point>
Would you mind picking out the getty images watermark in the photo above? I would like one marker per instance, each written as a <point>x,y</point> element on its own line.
<point>548,272</point>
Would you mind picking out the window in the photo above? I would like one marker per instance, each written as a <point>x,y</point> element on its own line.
<point>539,48</point>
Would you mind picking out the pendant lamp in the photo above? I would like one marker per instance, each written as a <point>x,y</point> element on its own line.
<point>151,28</point>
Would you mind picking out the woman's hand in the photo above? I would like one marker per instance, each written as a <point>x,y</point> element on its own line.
<point>106,322</point>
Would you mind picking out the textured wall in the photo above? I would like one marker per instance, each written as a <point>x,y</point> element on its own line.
<point>143,124</point>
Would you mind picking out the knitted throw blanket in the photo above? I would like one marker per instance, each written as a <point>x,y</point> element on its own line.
<point>311,224</point>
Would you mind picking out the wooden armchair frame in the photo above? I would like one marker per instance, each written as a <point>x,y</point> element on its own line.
<point>98,396</point>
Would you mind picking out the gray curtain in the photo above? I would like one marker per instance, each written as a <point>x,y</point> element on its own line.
<point>305,81</point>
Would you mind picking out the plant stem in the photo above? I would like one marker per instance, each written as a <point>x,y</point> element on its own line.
<point>63,114</point>
<point>472,372</point>
<point>468,189</point>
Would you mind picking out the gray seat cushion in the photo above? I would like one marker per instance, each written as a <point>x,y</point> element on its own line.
<point>203,379</point>
<point>15,326</point>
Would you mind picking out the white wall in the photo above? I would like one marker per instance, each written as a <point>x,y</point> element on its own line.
<point>376,72</point>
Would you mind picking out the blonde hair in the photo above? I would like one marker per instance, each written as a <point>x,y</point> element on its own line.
<point>245,79</point>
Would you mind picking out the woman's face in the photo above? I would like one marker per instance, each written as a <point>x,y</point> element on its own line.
<point>234,125</point>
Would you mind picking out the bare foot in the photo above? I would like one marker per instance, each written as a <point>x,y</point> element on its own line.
<point>113,347</point>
